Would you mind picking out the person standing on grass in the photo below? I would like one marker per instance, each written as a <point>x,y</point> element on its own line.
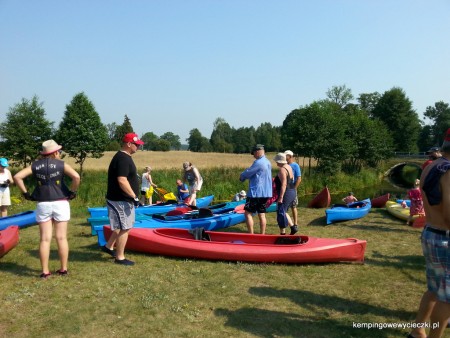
<point>5,181</point>
<point>297,180</point>
<point>122,197</point>
<point>435,302</point>
<point>195,180</point>
<point>146,185</point>
<point>259,175</point>
<point>285,186</point>
<point>416,206</point>
<point>52,196</point>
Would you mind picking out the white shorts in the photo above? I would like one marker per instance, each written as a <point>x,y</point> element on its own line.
<point>57,210</point>
<point>197,186</point>
<point>5,197</point>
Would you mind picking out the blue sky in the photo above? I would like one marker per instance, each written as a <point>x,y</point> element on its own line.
<point>174,65</point>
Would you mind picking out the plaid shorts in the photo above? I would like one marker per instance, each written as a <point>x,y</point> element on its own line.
<point>435,250</point>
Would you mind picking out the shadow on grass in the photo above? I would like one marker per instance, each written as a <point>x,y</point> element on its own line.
<point>18,269</point>
<point>321,221</point>
<point>267,323</point>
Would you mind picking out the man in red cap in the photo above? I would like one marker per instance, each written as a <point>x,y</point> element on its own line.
<point>122,197</point>
<point>435,303</point>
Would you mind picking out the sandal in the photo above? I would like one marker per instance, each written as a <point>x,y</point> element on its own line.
<point>45,275</point>
<point>61,272</point>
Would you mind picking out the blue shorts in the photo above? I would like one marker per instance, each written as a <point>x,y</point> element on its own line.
<point>437,258</point>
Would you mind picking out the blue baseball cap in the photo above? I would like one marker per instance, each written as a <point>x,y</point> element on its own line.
<point>4,162</point>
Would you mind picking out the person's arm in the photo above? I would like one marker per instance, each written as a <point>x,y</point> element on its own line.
<point>20,176</point>
<point>74,176</point>
<point>249,172</point>
<point>126,187</point>
<point>197,175</point>
<point>297,183</point>
<point>185,188</point>
<point>151,181</point>
<point>10,178</point>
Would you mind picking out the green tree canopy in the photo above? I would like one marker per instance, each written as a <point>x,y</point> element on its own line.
<point>340,95</point>
<point>81,131</point>
<point>150,140</point>
<point>197,142</point>
<point>24,130</point>
<point>123,129</point>
<point>368,101</point>
<point>440,117</point>
<point>222,136</point>
<point>269,136</point>
<point>395,110</point>
<point>174,140</point>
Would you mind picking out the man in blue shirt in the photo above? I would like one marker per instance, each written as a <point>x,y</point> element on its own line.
<point>297,179</point>
<point>259,176</point>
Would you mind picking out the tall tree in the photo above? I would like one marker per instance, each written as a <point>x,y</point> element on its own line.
<point>174,140</point>
<point>123,129</point>
<point>197,142</point>
<point>395,109</point>
<point>340,95</point>
<point>222,136</point>
<point>243,140</point>
<point>81,131</point>
<point>24,130</point>
<point>440,117</point>
<point>368,101</point>
<point>150,140</point>
<point>269,136</point>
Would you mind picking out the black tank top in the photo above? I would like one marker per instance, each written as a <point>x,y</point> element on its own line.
<point>290,182</point>
<point>49,174</point>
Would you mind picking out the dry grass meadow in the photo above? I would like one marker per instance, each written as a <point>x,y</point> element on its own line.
<point>174,159</point>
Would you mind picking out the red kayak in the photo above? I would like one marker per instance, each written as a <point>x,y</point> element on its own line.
<point>322,199</point>
<point>380,201</point>
<point>230,246</point>
<point>8,239</point>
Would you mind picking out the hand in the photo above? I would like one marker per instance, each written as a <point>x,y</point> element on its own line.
<point>27,196</point>
<point>72,195</point>
<point>136,202</point>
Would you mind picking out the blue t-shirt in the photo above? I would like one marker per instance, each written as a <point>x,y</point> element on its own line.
<point>182,195</point>
<point>260,178</point>
<point>296,170</point>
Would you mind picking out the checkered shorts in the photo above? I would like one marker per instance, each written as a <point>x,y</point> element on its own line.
<point>437,257</point>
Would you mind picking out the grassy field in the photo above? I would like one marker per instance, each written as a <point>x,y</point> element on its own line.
<point>170,297</point>
<point>176,297</point>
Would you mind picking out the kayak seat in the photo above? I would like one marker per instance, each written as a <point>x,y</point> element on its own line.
<point>204,212</point>
<point>284,240</point>
<point>175,212</point>
<point>158,216</point>
<point>200,234</point>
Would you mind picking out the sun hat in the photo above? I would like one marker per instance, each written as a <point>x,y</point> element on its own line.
<point>280,158</point>
<point>288,152</point>
<point>4,162</point>
<point>50,147</point>
<point>132,138</point>
<point>242,193</point>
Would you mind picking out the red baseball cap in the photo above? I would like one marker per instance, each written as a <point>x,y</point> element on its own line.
<point>132,138</point>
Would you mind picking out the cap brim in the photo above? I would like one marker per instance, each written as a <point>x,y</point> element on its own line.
<point>139,142</point>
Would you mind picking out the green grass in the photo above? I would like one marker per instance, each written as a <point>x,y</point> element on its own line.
<point>176,297</point>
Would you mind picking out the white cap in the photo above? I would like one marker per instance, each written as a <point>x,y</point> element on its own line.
<point>288,152</point>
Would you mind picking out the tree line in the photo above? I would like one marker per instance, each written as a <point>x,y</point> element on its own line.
<point>335,131</point>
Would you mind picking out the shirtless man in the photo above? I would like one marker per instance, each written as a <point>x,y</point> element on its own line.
<point>435,303</point>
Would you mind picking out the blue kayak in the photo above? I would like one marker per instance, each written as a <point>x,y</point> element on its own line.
<point>22,219</point>
<point>355,210</point>
<point>160,208</point>
<point>203,219</point>
<point>408,202</point>
<point>216,208</point>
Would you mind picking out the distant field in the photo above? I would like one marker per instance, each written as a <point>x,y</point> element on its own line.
<point>175,159</point>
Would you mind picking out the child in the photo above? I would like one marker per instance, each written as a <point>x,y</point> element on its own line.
<point>349,198</point>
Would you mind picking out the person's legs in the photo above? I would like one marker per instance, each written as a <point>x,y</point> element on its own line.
<point>262,223</point>
<point>121,241</point>
<point>63,245</point>
<point>4,210</point>
<point>294,215</point>
<point>45,230</point>
<point>192,198</point>
<point>440,315</point>
<point>112,240</point>
<point>249,221</point>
